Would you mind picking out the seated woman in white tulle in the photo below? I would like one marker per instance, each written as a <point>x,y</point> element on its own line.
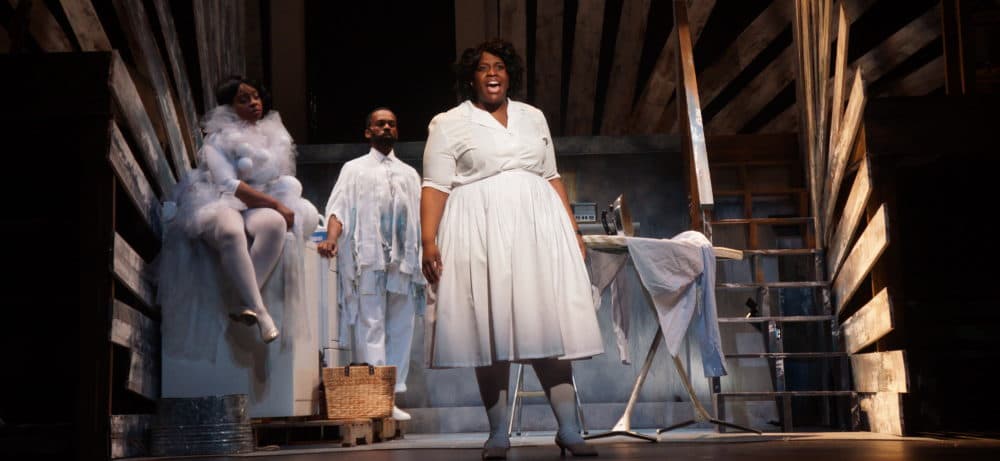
<point>239,222</point>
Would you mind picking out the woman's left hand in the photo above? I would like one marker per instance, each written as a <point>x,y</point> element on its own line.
<point>286,213</point>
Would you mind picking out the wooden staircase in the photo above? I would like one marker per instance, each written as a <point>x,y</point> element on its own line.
<point>779,290</point>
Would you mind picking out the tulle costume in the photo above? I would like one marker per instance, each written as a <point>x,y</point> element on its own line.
<point>195,294</point>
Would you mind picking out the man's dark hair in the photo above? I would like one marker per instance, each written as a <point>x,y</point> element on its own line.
<point>226,91</point>
<point>465,69</point>
<point>368,118</point>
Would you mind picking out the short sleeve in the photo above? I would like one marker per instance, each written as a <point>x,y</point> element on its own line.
<point>439,157</point>
<point>549,170</point>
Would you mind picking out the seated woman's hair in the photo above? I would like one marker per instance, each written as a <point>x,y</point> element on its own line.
<point>226,91</point>
<point>465,69</point>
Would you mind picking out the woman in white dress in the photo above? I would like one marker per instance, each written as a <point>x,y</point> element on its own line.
<point>245,205</point>
<point>501,248</point>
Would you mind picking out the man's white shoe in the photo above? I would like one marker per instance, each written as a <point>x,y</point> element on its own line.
<point>399,415</point>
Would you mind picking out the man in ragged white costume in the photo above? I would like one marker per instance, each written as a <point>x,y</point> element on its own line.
<point>373,227</point>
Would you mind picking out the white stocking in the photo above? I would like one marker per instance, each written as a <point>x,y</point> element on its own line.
<point>556,378</point>
<point>247,267</point>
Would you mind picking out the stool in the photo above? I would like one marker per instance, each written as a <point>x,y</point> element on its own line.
<point>520,393</point>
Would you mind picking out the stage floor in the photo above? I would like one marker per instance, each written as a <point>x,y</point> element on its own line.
<point>699,444</point>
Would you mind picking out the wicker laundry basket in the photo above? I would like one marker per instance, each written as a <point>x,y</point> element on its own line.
<point>359,391</point>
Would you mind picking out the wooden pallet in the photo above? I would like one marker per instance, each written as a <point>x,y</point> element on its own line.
<point>346,432</point>
<point>385,429</point>
<point>299,430</point>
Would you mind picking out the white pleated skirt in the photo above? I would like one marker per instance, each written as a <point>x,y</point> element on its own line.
<point>514,285</point>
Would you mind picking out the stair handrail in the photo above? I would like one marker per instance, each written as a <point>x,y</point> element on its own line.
<point>691,126</point>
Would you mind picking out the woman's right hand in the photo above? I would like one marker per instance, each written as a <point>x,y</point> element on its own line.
<point>327,248</point>
<point>286,213</point>
<point>431,263</point>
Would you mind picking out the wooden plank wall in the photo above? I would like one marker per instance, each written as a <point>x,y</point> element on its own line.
<point>180,75</point>
<point>878,61</point>
<point>136,25</point>
<point>219,26</point>
<point>151,140</point>
<point>865,316</point>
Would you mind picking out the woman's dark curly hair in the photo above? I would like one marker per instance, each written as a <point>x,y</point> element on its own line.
<point>465,69</point>
<point>226,91</point>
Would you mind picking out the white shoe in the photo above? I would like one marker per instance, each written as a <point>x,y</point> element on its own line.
<point>399,415</point>
<point>268,331</point>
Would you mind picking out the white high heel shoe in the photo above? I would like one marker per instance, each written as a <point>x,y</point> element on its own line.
<point>268,331</point>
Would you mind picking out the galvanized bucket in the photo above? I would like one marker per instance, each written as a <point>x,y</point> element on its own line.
<point>218,425</point>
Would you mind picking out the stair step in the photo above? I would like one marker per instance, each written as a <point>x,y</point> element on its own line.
<point>786,355</point>
<point>770,221</point>
<point>782,252</point>
<point>778,318</point>
<point>736,286</point>
<point>787,393</point>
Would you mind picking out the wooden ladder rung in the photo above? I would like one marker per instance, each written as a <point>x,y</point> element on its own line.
<point>739,286</point>
<point>778,318</point>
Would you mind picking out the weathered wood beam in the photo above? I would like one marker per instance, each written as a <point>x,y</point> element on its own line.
<point>849,219</point>
<point>745,48</point>
<point>758,92</point>
<point>920,82</point>
<point>880,372</point>
<point>839,69</point>
<point>625,66</point>
<point>86,25</point>
<point>548,62</point>
<point>141,335</point>
<point>660,86</point>
<point>868,324</point>
<point>804,39</point>
<point>762,89</point>
<point>133,180</point>
<point>583,78</point>
<point>514,29</point>
<point>842,151</point>
<point>130,435</point>
<point>822,63</point>
<point>692,130</point>
<point>959,64</point>
<point>885,413</point>
<point>132,15</point>
<point>876,62</point>
<point>288,66</point>
<point>209,41</point>
<point>44,27</point>
<point>748,45</point>
<point>475,21</point>
<point>133,272</point>
<point>139,126</point>
<point>180,74</point>
<point>873,241</point>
